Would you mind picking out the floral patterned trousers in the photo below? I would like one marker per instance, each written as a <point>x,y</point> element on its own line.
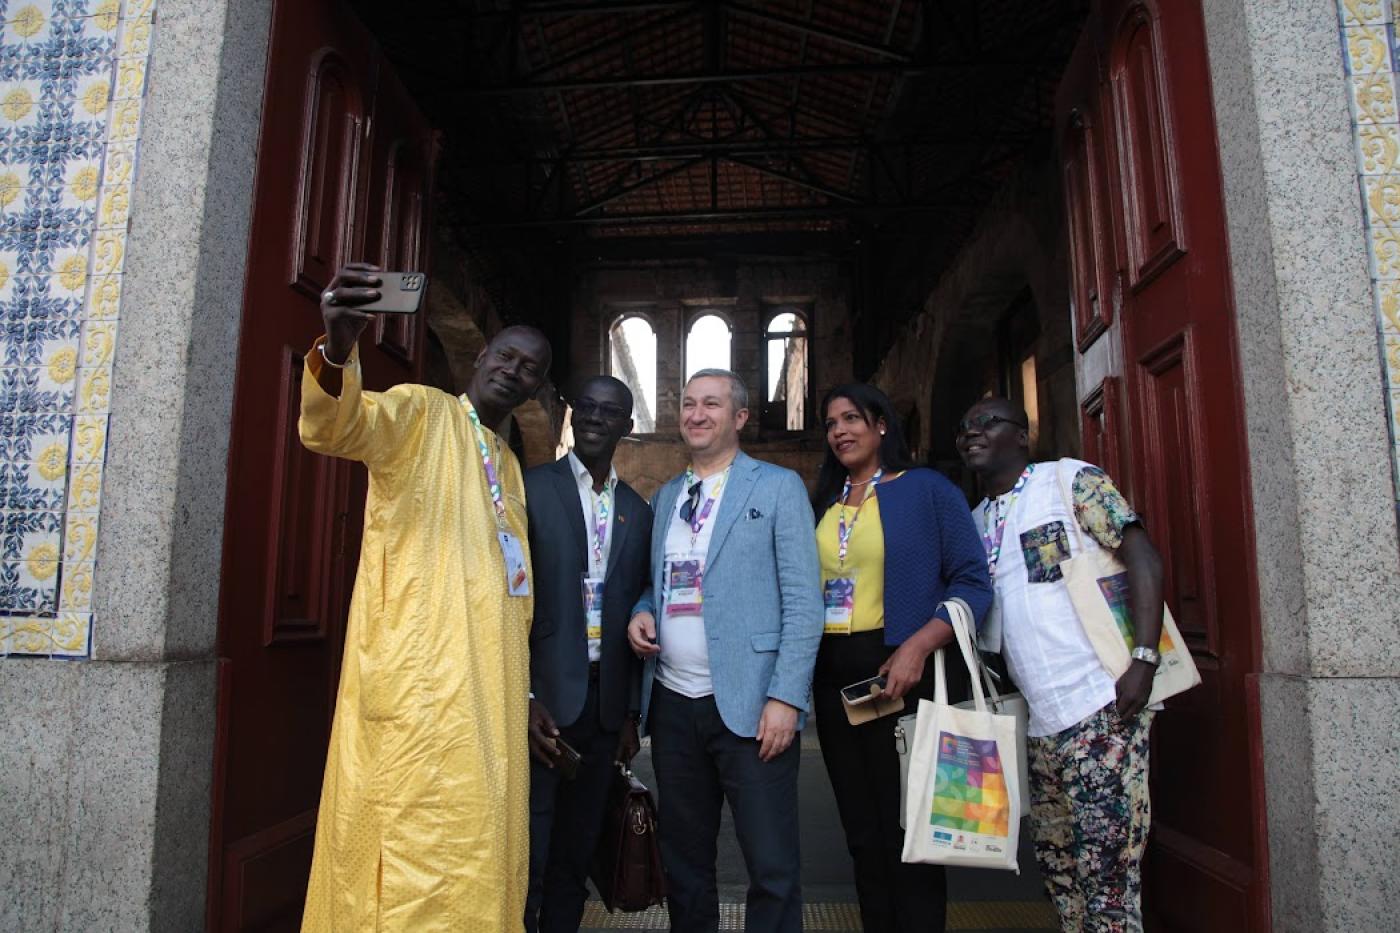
<point>1090,814</point>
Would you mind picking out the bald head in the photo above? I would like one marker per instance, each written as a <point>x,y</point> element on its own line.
<point>517,333</point>
<point>509,371</point>
<point>1002,407</point>
<point>994,438</point>
<point>609,387</point>
<point>602,417</point>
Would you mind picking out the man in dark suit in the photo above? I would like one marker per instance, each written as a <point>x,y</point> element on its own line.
<point>590,541</point>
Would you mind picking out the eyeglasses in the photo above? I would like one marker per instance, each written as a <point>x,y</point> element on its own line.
<point>983,422</point>
<point>689,506</point>
<point>587,408</point>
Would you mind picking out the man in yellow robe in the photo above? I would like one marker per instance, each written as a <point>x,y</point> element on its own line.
<point>424,822</point>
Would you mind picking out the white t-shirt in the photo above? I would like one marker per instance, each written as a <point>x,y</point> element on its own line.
<point>684,663</point>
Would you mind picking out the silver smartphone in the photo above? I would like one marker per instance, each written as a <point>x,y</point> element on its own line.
<point>863,691</point>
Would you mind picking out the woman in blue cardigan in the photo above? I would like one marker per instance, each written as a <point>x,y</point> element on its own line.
<point>895,541</point>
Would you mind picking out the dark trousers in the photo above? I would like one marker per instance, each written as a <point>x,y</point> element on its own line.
<point>864,769</point>
<point>699,764</point>
<point>566,818</point>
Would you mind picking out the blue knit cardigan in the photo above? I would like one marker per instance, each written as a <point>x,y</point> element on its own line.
<point>932,552</point>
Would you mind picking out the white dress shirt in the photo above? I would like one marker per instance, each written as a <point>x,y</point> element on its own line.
<point>1041,637</point>
<point>588,501</point>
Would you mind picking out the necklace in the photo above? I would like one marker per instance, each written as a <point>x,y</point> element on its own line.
<point>844,530</point>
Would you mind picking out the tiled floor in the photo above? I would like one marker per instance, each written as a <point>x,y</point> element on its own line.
<point>968,915</point>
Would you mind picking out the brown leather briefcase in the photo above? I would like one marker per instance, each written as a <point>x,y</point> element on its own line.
<point>627,864</point>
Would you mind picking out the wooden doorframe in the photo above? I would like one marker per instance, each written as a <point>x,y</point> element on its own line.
<point>1145,355</point>
<point>344,172</point>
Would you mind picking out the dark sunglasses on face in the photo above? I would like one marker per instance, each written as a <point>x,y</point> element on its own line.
<point>586,408</point>
<point>983,422</point>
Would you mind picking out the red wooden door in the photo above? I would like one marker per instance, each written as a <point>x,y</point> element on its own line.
<point>1151,275</point>
<point>344,168</point>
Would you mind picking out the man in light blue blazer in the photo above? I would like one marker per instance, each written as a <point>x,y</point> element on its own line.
<point>729,629</point>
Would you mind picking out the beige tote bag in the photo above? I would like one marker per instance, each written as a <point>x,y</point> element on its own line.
<point>963,801</point>
<point>1098,587</point>
<point>1005,704</point>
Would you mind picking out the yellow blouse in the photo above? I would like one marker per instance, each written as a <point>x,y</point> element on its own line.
<point>865,557</point>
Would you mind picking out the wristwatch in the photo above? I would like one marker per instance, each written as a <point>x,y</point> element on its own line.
<point>1143,653</point>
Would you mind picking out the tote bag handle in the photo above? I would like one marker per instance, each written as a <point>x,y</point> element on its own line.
<point>961,618</point>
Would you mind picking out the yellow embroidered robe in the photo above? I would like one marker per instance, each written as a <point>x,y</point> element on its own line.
<point>424,818</point>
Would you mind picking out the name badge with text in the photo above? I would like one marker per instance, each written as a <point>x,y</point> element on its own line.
<point>839,604</point>
<point>517,575</point>
<point>593,605</point>
<point>683,580</point>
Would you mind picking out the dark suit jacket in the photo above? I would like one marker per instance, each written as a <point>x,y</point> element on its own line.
<point>559,545</point>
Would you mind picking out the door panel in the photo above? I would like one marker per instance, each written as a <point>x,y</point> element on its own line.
<point>303,525</point>
<point>333,114</point>
<point>1141,70</point>
<point>344,173</point>
<point>1146,168</point>
<point>1090,230</point>
<point>1102,434</point>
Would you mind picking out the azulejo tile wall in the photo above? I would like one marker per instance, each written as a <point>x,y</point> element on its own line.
<point>72,84</point>
<point>1369,44</point>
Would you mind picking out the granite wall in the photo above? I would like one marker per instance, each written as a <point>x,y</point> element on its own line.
<point>1307,293</point>
<point>105,764</point>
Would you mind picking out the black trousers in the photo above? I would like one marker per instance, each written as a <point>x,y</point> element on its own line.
<point>566,818</point>
<point>864,769</point>
<point>699,764</point>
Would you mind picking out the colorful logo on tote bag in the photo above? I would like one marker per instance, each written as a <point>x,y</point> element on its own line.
<point>969,791</point>
<point>1115,593</point>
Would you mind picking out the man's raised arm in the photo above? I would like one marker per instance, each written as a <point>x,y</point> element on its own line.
<point>338,418</point>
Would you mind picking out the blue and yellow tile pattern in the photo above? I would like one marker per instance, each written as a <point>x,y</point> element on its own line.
<point>72,85</point>
<point>1369,47</point>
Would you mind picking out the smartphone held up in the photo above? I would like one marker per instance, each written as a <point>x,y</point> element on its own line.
<point>399,293</point>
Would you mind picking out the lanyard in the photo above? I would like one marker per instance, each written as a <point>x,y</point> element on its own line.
<point>493,481</point>
<point>601,507</point>
<point>843,530</point>
<point>996,528</point>
<point>697,521</point>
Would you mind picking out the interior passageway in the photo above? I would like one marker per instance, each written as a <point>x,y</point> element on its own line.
<point>774,188</point>
<point>809,192</point>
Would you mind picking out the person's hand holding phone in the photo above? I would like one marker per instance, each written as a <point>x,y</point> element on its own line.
<point>355,284</point>
<point>863,691</point>
<point>543,735</point>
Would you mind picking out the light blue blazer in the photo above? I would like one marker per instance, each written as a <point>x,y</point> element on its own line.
<point>761,592</point>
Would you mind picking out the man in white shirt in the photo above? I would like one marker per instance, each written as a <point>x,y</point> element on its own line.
<point>730,628</point>
<point>590,537</point>
<point>1088,733</point>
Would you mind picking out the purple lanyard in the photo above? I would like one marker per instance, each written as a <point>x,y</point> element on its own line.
<point>697,521</point>
<point>992,537</point>
<point>493,482</point>
<point>843,530</point>
<point>600,519</point>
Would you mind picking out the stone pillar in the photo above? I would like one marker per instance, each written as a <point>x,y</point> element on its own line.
<point>105,763</point>
<point>1320,461</point>
<point>669,317</point>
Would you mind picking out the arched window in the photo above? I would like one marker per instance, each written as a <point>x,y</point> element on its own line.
<point>632,358</point>
<point>785,358</point>
<point>707,344</point>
